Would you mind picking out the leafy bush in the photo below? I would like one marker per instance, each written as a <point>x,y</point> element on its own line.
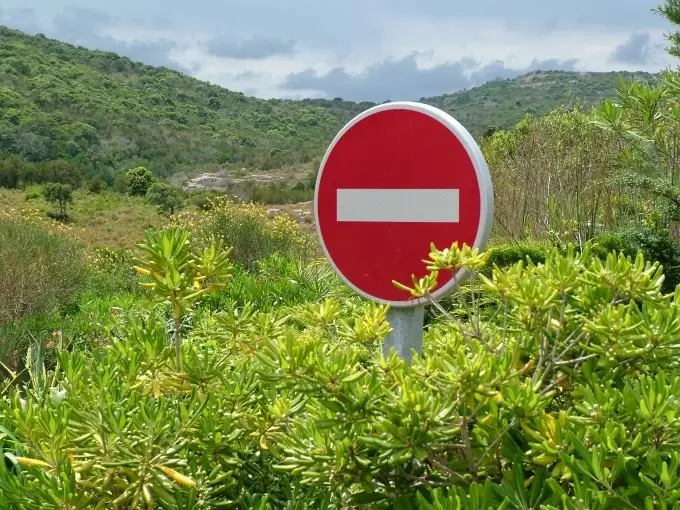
<point>89,322</point>
<point>467,298</point>
<point>180,274</point>
<point>41,273</point>
<point>277,193</point>
<point>111,271</point>
<point>279,281</point>
<point>655,243</point>
<point>506,255</point>
<point>202,200</point>
<point>549,175</point>
<point>564,400</point>
<point>138,180</point>
<point>248,230</point>
<point>166,197</point>
<point>32,195</point>
<point>96,184</point>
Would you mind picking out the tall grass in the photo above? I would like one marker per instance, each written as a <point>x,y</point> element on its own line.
<point>40,270</point>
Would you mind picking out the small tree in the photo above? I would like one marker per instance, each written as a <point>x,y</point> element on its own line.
<point>139,180</point>
<point>11,171</point>
<point>181,274</point>
<point>58,194</point>
<point>167,197</point>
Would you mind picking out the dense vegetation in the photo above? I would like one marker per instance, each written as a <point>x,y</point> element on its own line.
<point>105,113</point>
<point>216,361</point>
<point>64,106</point>
<point>500,104</point>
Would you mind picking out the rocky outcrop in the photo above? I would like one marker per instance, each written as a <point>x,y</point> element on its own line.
<point>221,181</point>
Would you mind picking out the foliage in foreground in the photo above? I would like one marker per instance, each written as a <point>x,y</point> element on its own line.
<point>566,398</point>
<point>181,274</point>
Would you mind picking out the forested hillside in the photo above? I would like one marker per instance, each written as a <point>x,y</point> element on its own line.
<point>105,113</point>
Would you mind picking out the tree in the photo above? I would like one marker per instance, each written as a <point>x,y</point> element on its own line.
<point>11,171</point>
<point>671,11</point>
<point>58,194</point>
<point>139,180</point>
<point>61,171</point>
<point>96,184</point>
<point>167,197</point>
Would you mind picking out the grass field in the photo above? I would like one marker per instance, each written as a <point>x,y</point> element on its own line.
<point>107,219</point>
<point>112,220</point>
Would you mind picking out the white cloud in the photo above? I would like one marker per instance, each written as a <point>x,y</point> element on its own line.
<point>488,40</point>
<point>364,45</point>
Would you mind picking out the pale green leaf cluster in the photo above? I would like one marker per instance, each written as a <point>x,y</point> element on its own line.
<point>562,396</point>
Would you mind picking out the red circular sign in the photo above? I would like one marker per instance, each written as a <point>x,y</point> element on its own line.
<point>396,178</point>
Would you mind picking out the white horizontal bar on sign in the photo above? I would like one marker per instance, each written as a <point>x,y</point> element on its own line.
<point>398,205</point>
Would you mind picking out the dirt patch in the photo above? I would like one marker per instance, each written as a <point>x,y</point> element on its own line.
<point>221,181</point>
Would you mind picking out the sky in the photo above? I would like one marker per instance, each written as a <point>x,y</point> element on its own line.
<point>373,50</point>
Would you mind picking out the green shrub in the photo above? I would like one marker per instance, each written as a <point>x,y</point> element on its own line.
<point>60,195</point>
<point>278,281</point>
<point>278,193</point>
<point>111,272</point>
<point>181,273</point>
<point>249,231</point>
<point>507,255</point>
<point>459,303</point>
<point>166,197</point>
<point>41,273</point>
<point>566,399</point>
<point>654,243</point>
<point>96,184</point>
<point>85,324</point>
<point>202,200</point>
<point>138,181</point>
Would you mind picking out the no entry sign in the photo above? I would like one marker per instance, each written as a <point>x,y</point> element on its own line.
<point>396,178</point>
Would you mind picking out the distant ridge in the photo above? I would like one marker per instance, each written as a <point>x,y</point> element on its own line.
<point>107,113</point>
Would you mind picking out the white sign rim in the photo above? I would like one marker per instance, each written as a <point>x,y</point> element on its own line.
<point>482,172</point>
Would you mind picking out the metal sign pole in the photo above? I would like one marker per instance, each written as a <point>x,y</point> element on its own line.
<point>407,331</point>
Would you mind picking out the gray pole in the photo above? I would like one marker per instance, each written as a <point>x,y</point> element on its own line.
<point>407,331</point>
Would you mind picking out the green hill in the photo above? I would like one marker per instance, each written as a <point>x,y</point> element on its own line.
<point>106,113</point>
<point>503,103</point>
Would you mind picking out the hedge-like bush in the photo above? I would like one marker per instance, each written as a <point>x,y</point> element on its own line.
<point>566,398</point>
<point>654,243</point>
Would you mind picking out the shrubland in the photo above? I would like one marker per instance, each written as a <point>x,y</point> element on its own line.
<point>92,120</point>
<point>216,361</point>
<point>547,381</point>
<point>39,268</point>
<point>100,114</point>
<point>560,395</point>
